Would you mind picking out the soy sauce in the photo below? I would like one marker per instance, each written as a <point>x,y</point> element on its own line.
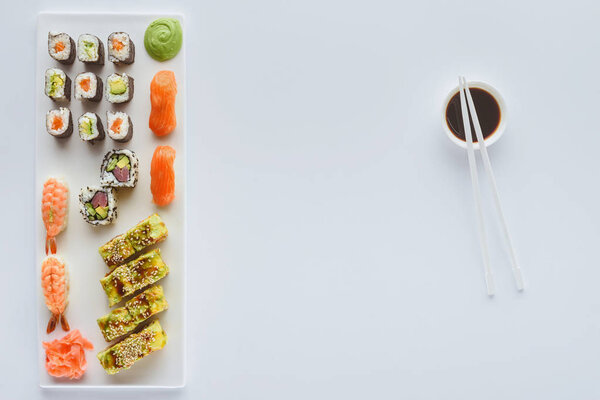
<point>488,111</point>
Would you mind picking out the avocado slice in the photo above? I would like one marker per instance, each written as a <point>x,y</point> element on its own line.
<point>90,209</point>
<point>56,81</point>
<point>117,86</point>
<point>112,163</point>
<point>86,126</point>
<point>88,48</point>
<point>102,212</point>
<point>123,161</point>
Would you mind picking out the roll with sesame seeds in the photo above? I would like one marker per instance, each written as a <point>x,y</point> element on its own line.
<point>133,348</point>
<point>146,233</point>
<point>136,275</point>
<point>124,320</point>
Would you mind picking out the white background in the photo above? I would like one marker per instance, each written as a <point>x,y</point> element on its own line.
<point>332,248</point>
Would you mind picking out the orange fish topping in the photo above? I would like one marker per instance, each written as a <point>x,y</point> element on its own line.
<point>116,125</point>
<point>117,45</point>
<point>57,123</point>
<point>85,84</point>
<point>59,46</point>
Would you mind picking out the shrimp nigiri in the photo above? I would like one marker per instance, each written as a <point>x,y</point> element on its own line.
<point>162,183</point>
<point>163,89</point>
<point>55,202</point>
<point>56,287</point>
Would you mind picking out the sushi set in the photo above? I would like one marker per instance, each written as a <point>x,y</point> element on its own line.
<point>111,236</point>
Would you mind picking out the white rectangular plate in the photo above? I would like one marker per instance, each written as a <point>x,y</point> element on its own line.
<point>78,163</point>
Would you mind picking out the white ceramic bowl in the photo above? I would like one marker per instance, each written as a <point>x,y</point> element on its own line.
<point>491,139</point>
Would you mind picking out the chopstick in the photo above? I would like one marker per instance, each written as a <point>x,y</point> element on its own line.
<point>490,173</point>
<point>489,277</point>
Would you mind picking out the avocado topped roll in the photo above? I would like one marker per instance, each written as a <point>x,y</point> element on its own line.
<point>119,126</point>
<point>134,347</point>
<point>90,128</point>
<point>146,233</point>
<point>123,320</point>
<point>58,85</point>
<point>90,49</point>
<point>98,205</point>
<point>119,88</point>
<point>59,123</point>
<point>119,169</point>
<point>88,86</point>
<point>61,47</point>
<point>120,48</point>
<point>137,274</point>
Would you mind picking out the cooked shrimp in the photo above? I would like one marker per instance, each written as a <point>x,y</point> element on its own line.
<point>56,287</point>
<point>55,202</point>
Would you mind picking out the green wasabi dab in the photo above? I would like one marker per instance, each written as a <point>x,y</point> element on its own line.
<point>163,38</point>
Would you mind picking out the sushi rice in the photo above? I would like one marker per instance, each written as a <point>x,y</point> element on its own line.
<point>90,49</point>
<point>119,126</point>
<point>119,169</point>
<point>59,122</point>
<point>119,88</point>
<point>90,127</point>
<point>61,47</point>
<point>88,86</point>
<point>98,205</point>
<point>120,48</point>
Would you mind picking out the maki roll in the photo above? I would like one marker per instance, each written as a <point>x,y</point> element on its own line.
<point>90,49</point>
<point>90,127</point>
<point>58,85</point>
<point>59,122</point>
<point>88,86</point>
<point>133,348</point>
<point>119,126</point>
<point>119,169</point>
<point>61,47</point>
<point>98,205</point>
<point>135,275</point>
<point>124,320</point>
<point>120,48</point>
<point>119,88</point>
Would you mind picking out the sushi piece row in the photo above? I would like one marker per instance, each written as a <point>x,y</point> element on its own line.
<point>90,49</point>
<point>59,123</point>
<point>88,86</point>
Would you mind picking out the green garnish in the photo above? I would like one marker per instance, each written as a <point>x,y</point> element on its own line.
<point>112,163</point>
<point>90,210</point>
<point>89,48</point>
<point>56,82</point>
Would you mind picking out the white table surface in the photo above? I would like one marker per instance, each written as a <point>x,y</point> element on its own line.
<point>332,254</point>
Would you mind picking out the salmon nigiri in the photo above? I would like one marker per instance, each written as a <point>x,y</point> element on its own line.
<point>55,198</point>
<point>163,89</point>
<point>56,288</point>
<point>162,175</point>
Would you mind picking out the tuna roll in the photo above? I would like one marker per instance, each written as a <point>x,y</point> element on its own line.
<point>98,205</point>
<point>88,86</point>
<point>119,169</point>
<point>61,47</point>
<point>59,122</point>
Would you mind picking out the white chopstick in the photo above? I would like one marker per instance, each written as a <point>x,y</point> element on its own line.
<point>489,277</point>
<point>490,173</point>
